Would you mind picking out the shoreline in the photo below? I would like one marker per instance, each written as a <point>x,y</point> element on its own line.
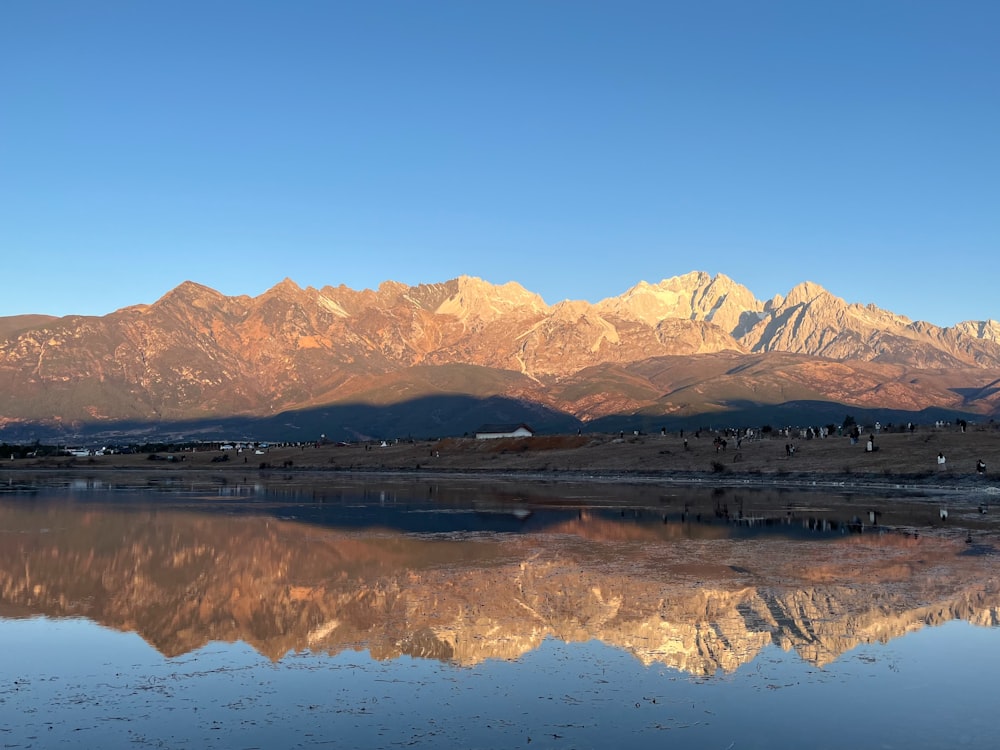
<point>896,484</point>
<point>966,511</point>
<point>905,463</point>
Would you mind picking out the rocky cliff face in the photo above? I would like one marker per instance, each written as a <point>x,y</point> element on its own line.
<point>197,353</point>
<point>812,321</point>
<point>693,296</point>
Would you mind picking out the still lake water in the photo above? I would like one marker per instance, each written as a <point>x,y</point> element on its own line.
<point>290,612</point>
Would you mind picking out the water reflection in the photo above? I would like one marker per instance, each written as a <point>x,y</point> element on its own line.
<point>698,582</point>
<point>73,684</point>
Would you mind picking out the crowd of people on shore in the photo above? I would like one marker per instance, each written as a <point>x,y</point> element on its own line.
<point>854,432</point>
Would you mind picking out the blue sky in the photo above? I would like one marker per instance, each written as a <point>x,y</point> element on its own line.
<point>575,147</point>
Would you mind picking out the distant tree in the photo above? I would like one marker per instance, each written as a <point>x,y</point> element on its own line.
<point>767,429</point>
<point>849,422</point>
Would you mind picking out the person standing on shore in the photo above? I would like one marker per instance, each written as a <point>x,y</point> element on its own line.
<point>941,460</point>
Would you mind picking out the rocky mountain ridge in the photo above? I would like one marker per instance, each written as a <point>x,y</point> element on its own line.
<point>198,353</point>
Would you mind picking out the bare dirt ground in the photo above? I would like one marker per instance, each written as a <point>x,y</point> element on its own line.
<point>901,459</point>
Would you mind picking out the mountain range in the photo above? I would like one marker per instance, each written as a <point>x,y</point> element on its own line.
<point>440,359</point>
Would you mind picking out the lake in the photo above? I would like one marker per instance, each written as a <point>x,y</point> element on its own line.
<point>299,611</point>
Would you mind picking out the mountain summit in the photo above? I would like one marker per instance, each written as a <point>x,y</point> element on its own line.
<point>656,349</point>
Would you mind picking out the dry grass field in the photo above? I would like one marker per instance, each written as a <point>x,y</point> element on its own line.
<point>901,457</point>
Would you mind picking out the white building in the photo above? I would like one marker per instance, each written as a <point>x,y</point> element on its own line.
<point>489,431</point>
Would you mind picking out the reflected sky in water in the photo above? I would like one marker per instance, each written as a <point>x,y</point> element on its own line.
<point>278,614</point>
<point>81,685</point>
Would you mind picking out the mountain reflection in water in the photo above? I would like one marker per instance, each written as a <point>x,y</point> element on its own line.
<point>697,581</point>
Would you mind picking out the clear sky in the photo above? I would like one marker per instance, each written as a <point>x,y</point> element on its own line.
<point>575,147</point>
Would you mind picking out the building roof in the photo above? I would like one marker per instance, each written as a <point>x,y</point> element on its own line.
<point>501,428</point>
